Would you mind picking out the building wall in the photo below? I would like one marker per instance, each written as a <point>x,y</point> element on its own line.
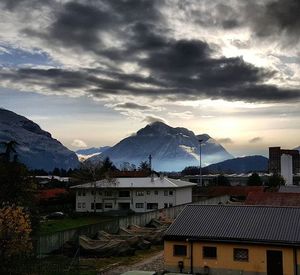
<point>225,263</point>
<point>287,168</point>
<point>183,195</point>
<point>138,200</point>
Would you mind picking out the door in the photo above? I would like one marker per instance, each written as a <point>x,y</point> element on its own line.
<point>274,262</point>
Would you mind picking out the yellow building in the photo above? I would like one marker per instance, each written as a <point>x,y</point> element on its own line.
<point>232,240</point>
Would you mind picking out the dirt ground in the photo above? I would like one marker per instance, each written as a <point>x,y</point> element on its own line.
<point>154,263</point>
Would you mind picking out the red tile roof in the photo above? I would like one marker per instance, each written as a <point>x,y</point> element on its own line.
<point>235,190</point>
<point>47,194</point>
<point>273,199</point>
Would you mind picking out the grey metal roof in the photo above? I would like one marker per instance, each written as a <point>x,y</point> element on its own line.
<point>137,183</point>
<point>250,224</point>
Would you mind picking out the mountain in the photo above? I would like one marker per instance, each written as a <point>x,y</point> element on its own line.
<point>171,149</point>
<point>240,165</point>
<point>37,149</point>
<point>84,154</point>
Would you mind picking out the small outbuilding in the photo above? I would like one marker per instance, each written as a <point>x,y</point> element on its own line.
<point>223,239</point>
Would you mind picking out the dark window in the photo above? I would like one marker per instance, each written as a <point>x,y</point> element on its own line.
<point>166,193</point>
<point>108,205</point>
<point>98,205</point>
<point>107,193</point>
<point>139,193</point>
<point>240,254</point>
<point>209,252</point>
<point>148,192</point>
<point>124,194</point>
<point>93,192</point>
<point>152,205</point>
<point>171,193</point>
<point>165,205</point>
<point>156,192</point>
<point>179,250</point>
<point>79,193</point>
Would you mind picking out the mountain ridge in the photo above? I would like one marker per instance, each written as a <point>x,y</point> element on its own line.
<point>37,148</point>
<point>171,149</point>
<point>245,164</point>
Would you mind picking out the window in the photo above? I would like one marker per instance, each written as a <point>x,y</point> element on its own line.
<point>100,193</point>
<point>124,194</point>
<point>83,193</point>
<point>107,193</point>
<point>98,205</point>
<point>148,192</point>
<point>152,205</point>
<point>240,254</point>
<point>209,252</point>
<point>140,193</point>
<point>156,192</point>
<point>79,193</point>
<point>165,205</point>
<point>179,250</point>
<point>171,193</point>
<point>83,205</point>
<point>170,204</point>
<point>93,192</point>
<point>79,205</point>
<point>139,205</point>
<point>108,205</point>
<point>165,193</point>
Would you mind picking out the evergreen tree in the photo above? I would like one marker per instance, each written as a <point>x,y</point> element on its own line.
<point>276,180</point>
<point>254,180</point>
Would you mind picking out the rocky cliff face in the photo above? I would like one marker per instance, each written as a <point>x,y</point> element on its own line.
<point>37,149</point>
<point>171,149</point>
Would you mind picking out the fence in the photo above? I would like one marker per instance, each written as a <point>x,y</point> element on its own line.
<point>52,242</point>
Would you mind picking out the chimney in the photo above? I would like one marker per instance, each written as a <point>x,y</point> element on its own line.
<point>152,177</point>
<point>161,176</point>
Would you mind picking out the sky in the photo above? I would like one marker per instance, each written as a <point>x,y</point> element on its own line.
<point>94,72</point>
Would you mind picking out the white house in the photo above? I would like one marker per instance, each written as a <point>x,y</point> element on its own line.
<point>137,194</point>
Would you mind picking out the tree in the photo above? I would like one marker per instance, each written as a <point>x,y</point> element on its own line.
<point>15,240</point>
<point>221,180</point>
<point>276,180</point>
<point>144,166</point>
<point>15,231</point>
<point>10,148</point>
<point>254,180</point>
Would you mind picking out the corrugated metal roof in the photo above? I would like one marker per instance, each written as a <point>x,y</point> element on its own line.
<point>137,183</point>
<point>273,199</point>
<point>256,224</point>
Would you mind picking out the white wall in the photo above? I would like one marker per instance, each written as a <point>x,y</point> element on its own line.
<point>287,168</point>
<point>183,195</point>
<point>169,196</point>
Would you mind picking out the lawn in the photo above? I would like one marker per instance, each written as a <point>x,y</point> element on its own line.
<point>52,226</point>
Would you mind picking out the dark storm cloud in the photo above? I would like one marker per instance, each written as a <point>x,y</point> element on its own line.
<point>178,69</point>
<point>131,105</point>
<point>255,140</point>
<point>275,17</point>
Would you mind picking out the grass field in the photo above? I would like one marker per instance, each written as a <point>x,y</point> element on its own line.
<point>52,226</point>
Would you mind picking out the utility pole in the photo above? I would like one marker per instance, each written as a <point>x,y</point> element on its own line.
<point>200,167</point>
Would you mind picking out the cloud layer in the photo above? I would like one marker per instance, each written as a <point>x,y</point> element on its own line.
<point>129,48</point>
